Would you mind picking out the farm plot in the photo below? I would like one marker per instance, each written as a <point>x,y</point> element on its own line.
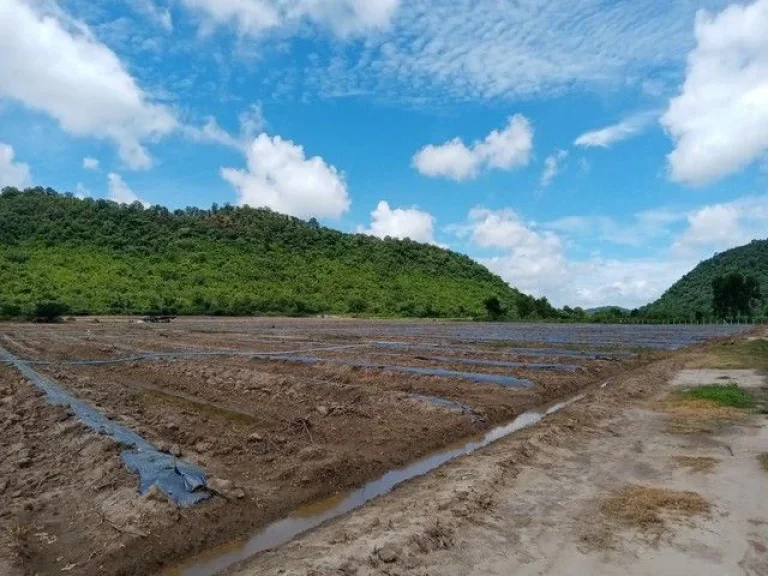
<point>279,413</point>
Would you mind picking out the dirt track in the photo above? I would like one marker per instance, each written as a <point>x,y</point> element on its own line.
<point>281,434</point>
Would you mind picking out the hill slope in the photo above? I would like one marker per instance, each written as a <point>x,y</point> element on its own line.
<point>693,292</point>
<point>99,257</point>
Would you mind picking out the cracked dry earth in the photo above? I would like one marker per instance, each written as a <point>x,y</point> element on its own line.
<point>606,487</point>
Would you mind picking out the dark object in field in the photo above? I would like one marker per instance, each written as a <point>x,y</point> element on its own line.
<point>152,319</point>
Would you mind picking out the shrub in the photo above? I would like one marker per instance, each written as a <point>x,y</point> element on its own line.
<point>49,311</point>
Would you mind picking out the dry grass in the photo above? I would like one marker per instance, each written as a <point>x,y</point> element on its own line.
<point>763,458</point>
<point>698,464</point>
<point>647,508</point>
<point>697,416</point>
<point>17,541</point>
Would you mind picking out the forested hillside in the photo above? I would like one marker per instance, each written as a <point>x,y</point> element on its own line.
<point>99,257</point>
<point>693,292</point>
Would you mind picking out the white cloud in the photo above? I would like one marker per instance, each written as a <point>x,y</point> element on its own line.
<point>252,122</point>
<point>211,132</point>
<point>401,223</point>
<point>81,192</point>
<point>120,192</point>
<point>503,150</point>
<point>12,173</point>
<point>610,135</point>
<point>451,160</point>
<point>53,64</point>
<point>536,258</point>
<point>532,259</point>
<point>552,165</point>
<point>160,16</point>
<point>256,17</point>
<point>504,49</point>
<point>721,226</point>
<point>719,122</point>
<point>90,163</point>
<point>280,177</point>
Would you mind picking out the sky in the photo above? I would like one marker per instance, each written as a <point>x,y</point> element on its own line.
<point>590,151</point>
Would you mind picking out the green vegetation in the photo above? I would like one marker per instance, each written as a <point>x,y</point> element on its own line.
<point>730,395</point>
<point>693,296</point>
<point>763,459</point>
<point>735,295</point>
<point>98,257</point>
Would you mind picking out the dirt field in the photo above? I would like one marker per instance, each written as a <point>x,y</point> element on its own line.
<point>275,435</point>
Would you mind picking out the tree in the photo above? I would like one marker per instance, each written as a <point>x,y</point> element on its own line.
<point>493,308</point>
<point>49,311</point>
<point>734,295</point>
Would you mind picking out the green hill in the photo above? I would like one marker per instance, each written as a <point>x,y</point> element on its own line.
<point>693,292</point>
<point>98,257</point>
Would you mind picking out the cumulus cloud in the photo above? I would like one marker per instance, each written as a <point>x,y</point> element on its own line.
<point>721,226</point>
<point>401,223</point>
<point>12,173</point>
<point>719,121</point>
<point>552,165</point>
<point>90,163</point>
<point>54,64</point>
<point>280,177</point>
<point>610,135</point>
<point>504,149</point>
<point>535,257</point>
<point>120,192</point>
<point>255,17</point>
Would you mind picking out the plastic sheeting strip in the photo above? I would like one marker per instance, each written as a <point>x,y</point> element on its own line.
<point>184,483</point>
<point>477,377</point>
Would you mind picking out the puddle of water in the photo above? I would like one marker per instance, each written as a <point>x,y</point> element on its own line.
<point>313,515</point>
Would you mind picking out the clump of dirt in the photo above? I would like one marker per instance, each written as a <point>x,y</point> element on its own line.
<point>697,416</point>
<point>763,459</point>
<point>697,464</point>
<point>648,508</point>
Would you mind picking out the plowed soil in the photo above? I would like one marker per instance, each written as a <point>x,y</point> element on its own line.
<point>277,435</point>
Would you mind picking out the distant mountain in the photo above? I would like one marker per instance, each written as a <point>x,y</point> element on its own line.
<point>693,292</point>
<point>99,257</point>
<point>606,310</point>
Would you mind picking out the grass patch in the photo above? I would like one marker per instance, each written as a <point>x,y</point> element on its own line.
<point>696,416</point>
<point>763,459</point>
<point>697,464</point>
<point>742,354</point>
<point>648,508</point>
<point>730,395</point>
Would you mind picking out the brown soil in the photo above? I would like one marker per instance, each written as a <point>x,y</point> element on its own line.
<point>286,434</point>
<point>595,489</point>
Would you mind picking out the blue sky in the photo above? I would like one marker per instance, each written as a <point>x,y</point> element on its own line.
<point>590,151</point>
